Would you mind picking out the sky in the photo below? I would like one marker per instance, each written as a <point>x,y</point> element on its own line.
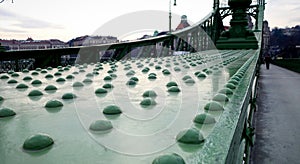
<point>67,19</point>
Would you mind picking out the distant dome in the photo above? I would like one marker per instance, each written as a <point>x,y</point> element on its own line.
<point>29,39</point>
<point>183,23</point>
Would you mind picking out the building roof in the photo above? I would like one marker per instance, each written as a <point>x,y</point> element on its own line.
<point>183,23</point>
<point>30,41</point>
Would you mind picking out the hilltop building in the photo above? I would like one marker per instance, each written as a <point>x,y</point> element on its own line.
<point>284,42</point>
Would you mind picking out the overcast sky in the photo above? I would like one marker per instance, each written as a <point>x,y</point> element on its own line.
<point>67,19</point>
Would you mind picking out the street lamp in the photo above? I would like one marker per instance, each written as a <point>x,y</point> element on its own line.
<point>170,14</point>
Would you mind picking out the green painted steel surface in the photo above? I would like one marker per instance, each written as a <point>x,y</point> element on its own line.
<point>139,134</point>
<point>64,102</point>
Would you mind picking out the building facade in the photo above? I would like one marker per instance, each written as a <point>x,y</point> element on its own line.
<point>266,38</point>
<point>30,44</point>
<point>92,40</point>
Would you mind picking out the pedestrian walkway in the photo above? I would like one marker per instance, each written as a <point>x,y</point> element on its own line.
<point>277,118</point>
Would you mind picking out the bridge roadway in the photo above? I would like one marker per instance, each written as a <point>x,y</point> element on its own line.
<point>277,117</point>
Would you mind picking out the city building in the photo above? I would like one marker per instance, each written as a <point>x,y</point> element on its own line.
<point>290,31</point>
<point>250,23</point>
<point>92,40</point>
<point>30,44</point>
<point>145,37</point>
<point>266,38</point>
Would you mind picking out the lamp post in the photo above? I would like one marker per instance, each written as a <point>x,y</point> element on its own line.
<point>170,14</point>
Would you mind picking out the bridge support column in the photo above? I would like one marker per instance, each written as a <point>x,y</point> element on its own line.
<point>238,36</point>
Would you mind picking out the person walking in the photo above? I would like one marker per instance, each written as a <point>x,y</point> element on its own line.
<point>267,61</point>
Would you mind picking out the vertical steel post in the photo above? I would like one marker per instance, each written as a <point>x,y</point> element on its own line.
<point>170,15</point>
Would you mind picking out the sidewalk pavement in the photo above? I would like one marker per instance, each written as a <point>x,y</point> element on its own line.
<point>277,119</point>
